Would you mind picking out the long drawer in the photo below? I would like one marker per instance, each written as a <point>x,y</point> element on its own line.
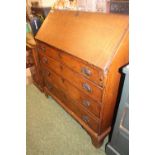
<point>85,69</point>
<point>88,87</point>
<point>76,96</point>
<point>84,116</point>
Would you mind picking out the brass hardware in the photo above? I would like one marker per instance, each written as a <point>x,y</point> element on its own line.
<point>37,49</point>
<point>43,49</point>
<point>86,71</point>
<point>87,87</point>
<point>85,118</point>
<point>86,103</point>
<point>45,60</point>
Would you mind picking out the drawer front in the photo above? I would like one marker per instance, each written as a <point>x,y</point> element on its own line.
<point>49,51</point>
<point>50,63</point>
<point>84,69</point>
<point>83,84</point>
<point>84,116</point>
<point>75,95</point>
<point>90,72</point>
<point>77,80</point>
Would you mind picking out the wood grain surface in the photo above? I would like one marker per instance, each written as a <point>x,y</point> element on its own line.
<point>93,37</point>
<point>78,57</point>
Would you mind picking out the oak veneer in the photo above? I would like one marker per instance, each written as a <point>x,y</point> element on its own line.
<point>78,57</point>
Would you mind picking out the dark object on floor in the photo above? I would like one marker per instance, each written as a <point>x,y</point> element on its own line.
<point>119,143</point>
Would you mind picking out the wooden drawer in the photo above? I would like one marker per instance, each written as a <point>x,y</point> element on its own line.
<point>76,96</point>
<point>77,80</point>
<point>82,114</point>
<point>50,63</point>
<point>87,70</point>
<point>48,50</point>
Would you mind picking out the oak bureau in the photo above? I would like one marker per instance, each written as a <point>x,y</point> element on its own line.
<point>77,61</point>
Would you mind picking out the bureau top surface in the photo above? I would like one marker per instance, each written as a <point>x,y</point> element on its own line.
<point>93,37</point>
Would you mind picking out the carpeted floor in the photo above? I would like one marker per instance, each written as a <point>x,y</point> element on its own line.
<point>52,131</point>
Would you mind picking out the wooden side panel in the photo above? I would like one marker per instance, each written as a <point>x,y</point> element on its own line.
<point>113,78</point>
<point>36,72</point>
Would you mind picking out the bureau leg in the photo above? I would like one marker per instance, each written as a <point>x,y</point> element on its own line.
<point>96,142</point>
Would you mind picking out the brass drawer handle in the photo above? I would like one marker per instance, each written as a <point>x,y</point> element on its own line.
<point>43,49</point>
<point>86,71</point>
<point>37,49</point>
<point>44,60</point>
<point>85,118</point>
<point>86,103</point>
<point>87,87</point>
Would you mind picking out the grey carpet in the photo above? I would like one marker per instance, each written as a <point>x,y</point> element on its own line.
<point>52,131</point>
